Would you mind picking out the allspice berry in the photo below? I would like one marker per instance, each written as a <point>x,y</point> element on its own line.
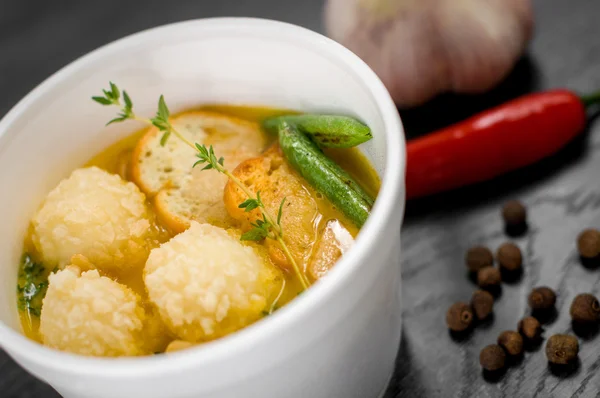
<point>492,358</point>
<point>514,214</point>
<point>459,317</point>
<point>489,277</point>
<point>509,257</point>
<point>588,243</point>
<point>478,257</point>
<point>585,308</point>
<point>530,328</point>
<point>482,303</point>
<point>562,349</point>
<point>512,342</point>
<point>542,298</point>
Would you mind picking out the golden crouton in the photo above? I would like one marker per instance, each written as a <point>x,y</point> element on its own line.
<point>275,180</point>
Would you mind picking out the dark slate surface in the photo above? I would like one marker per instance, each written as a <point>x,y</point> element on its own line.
<point>562,193</point>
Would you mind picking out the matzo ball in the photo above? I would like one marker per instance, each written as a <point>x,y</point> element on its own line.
<point>89,314</point>
<point>206,284</point>
<point>98,215</point>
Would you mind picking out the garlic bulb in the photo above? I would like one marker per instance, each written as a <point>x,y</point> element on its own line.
<point>421,48</point>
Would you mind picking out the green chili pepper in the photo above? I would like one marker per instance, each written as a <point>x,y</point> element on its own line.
<point>324,174</point>
<point>327,131</point>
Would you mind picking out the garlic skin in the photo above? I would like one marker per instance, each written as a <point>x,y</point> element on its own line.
<point>422,48</point>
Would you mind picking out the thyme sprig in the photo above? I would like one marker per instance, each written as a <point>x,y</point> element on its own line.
<point>113,97</point>
<point>267,227</point>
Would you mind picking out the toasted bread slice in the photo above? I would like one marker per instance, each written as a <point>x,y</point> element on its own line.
<point>200,198</point>
<point>275,180</point>
<point>155,167</point>
<point>180,192</point>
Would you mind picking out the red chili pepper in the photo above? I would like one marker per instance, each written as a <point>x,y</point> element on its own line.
<point>494,142</point>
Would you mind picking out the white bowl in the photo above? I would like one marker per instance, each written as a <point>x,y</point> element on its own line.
<point>340,338</point>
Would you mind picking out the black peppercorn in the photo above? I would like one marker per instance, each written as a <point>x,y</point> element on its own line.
<point>482,303</point>
<point>478,257</point>
<point>542,299</point>
<point>512,342</point>
<point>489,277</point>
<point>459,317</point>
<point>530,328</point>
<point>588,243</point>
<point>585,308</point>
<point>492,358</point>
<point>514,214</point>
<point>562,349</point>
<point>509,257</point>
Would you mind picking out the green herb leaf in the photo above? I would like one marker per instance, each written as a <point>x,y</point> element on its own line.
<point>255,234</point>
<point>249,204</point>
<point>211,156</point>
<point>222,161</point>
<point>111,97</point>
<point>207,155</point>
<point>160,124</point>
<point>127,100</point>
<point>32,285</point>
<point>114,90</point>
<point>117,119</point>
<point>201,148</point>
<point>102,100</point>
<point>161,120</point>
<point>163,111</point>
<point>280,212</point>
<point>202,154</point>
<point>259,231</point>
<point>164,138</point>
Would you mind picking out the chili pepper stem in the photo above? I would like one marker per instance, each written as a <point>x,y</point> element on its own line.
<point>590,99</point>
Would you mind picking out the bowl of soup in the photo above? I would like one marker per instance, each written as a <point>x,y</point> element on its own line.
<point>234,238</point>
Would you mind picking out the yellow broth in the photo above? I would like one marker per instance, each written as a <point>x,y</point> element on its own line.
<point>116,159</point>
